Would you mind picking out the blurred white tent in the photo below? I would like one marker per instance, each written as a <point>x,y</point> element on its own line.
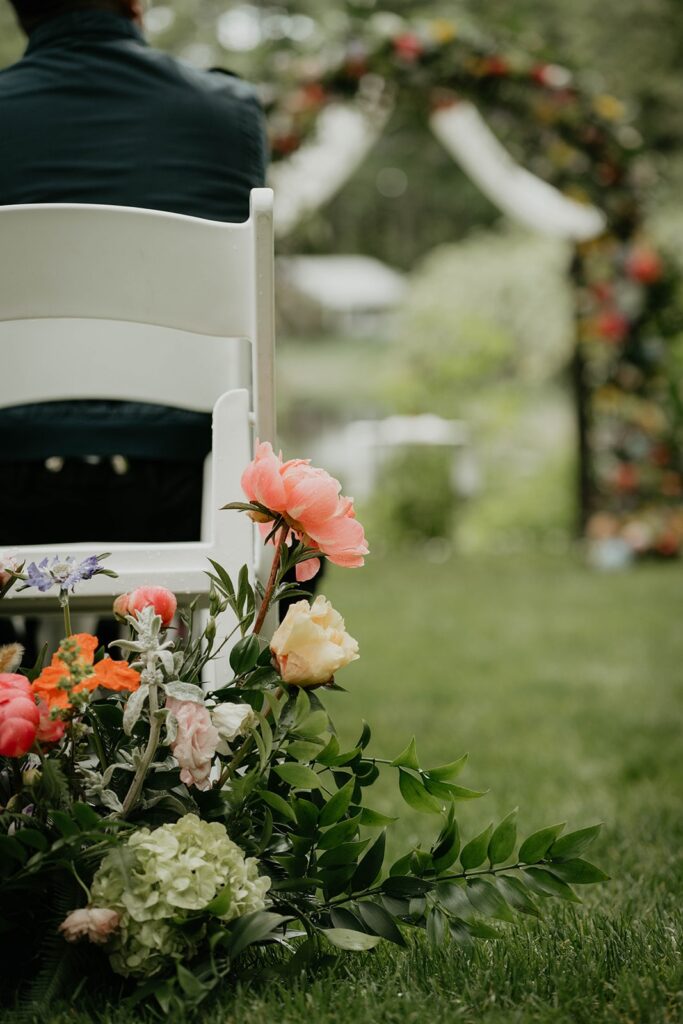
<point>351,293</point>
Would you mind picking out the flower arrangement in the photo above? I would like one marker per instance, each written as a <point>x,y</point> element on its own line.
<point>158,829</point>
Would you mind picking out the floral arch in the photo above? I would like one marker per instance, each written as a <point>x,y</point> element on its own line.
<point>628,301</point>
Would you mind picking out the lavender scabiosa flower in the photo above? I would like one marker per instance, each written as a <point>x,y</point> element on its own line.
<point>64,573</point>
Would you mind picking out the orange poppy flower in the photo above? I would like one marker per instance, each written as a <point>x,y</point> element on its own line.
<point>72,671</point>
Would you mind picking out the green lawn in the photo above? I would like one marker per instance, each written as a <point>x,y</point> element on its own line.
<point>567,689</point>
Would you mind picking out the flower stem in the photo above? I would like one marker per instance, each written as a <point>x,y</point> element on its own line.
<point>267,597</point>
<point>148,756</point>
<point>64,602</point>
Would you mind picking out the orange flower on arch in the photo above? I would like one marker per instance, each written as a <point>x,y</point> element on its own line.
<point>72,671</point>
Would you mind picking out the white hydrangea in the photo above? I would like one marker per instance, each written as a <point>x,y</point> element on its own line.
<point>159,876</point>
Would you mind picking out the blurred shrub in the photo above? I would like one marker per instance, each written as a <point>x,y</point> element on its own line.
<point>413,501</point>
<point>495,307</point>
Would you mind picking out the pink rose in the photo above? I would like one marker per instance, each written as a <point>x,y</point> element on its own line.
<point>93,923</point>
<point>163,601</point>
<point>196,740</point>
<point>311,503</point>
<point>19,715</point>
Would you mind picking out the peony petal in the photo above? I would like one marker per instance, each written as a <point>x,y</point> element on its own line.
<point>307,570</point>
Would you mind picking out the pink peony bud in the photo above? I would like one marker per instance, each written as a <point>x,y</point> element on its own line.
<point>163,601</point>
<point>19,716</point>
<point>93,923</point>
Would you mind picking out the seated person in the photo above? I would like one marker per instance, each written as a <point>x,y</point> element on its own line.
<point>93,114</point>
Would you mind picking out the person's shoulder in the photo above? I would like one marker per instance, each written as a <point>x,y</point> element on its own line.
<point>215,83</point>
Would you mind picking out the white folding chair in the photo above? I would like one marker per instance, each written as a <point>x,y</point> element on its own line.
<point>118,303</point>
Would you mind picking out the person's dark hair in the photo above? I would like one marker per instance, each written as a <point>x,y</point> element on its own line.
<point>32,12</point>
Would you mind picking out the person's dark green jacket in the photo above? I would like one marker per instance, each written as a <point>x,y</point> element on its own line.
<point>92,114</point>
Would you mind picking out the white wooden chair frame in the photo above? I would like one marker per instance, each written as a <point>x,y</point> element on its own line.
<point>76,280</point>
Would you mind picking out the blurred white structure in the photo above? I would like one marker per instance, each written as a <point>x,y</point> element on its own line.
<point>359,450</point>
<point>351,293</point>
<point>345,134</point>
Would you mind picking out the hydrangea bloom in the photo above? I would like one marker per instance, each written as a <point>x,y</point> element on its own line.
<point>64,573</point>
<point>159,876</point>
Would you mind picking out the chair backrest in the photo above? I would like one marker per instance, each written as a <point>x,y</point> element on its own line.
<point>114,302</point>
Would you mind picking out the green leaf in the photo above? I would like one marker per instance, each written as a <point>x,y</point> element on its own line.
<point>342,917</point>
<point>244,654</point>
<point>578,871</point>
<point>343,832</point>
<point>12,849</point>
<point>537,845</point>
<point>446,772</point>
<point>574,843</point>
<point>220,904</point>
<point>447,791</point>
<point>278,803</point>
<point>344,938</point>
<point>328,754</point>
<point>514,892</point>
<point>304,750</point>
<point>189,983</point>
<point>380,922</point>
<point>253,928</point>
<point>370,866</point>
<point>85,816</point>
<point>33,838</point>
<point>337,806</point>
<point>546,884</point>
<point>298,776</point>
<point>365,737</point>
<point>503,840</point>
<point>302,706</point>
<point>437,927</point>
<point>415,795</point>
<point>306,815</point>
<point>373,819</point>
<point>408,758</point>
<point>453,897</point>
<point>347,853</point>
<point>474,853</point>
<point>447,847</point>
<point>487,900</point>
<point>64,824</point>
<point>313,724</point>
<point>403,885</point>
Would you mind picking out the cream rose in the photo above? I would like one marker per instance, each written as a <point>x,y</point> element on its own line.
<point>311,644</point>
<point>231,721</point>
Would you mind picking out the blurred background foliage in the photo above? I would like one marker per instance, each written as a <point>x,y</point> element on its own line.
<point>485,331</point>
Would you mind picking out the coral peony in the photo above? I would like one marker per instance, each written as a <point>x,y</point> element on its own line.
<point>196,740</point>
<point>72,671</point>
<point>311,644</point>
<point>19,716</point>
<point>93,923</point>
<point>310,502</point>
<point>163,601</point>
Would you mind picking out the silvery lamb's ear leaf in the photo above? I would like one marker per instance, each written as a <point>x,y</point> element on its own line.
<point>178,659</point>
<point>133,709</point>
<point>171,723</point>
<point>167,662</point>
<point>110,800</point>
<point>184,691</point>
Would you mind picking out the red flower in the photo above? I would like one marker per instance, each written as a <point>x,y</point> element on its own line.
<point>408,47</point>
<point>644,265</point>
<point>612,325</point>
<point>494,66</point>
<point>19,716</point>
